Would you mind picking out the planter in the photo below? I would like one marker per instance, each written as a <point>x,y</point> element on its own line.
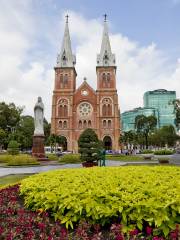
<point>89,164</point>
<point>163,161</point>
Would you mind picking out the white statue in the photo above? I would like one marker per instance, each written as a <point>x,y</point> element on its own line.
<point>39,117</point>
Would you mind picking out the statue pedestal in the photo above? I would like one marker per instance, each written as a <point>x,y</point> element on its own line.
<point>38,147</point>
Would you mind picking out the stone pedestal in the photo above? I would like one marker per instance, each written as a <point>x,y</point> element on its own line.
<point>38,147</point>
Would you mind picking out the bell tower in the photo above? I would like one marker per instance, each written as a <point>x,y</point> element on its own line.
<point>64,88</point>
<point>107,98</point>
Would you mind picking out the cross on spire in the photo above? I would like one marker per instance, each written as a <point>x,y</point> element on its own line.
<point>67,17</point>
<point>105,17</point>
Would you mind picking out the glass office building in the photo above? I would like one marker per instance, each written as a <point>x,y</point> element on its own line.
<point>161,100</point>
<point>128,118</point>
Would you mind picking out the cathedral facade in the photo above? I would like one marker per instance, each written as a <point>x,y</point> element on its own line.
<point>75,109</point>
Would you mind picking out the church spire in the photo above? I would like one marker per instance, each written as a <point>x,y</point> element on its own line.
<point>105,58</point>
<point>66,58</point>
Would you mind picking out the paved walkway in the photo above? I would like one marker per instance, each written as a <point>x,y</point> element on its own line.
<point>20,170</point>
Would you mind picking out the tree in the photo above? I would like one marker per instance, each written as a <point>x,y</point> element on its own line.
<point>145,125</point>
<point>47,130</point>
<point>177,112</point>
<point>9,116</point>
<point>3,138</point>
<point>89,145</point>
<point>128,138</point>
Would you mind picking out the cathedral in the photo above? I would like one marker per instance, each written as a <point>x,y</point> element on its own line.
<point>75,109</point>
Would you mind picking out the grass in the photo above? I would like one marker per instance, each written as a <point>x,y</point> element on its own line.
<point>125,158</point>
<point>10,179</point>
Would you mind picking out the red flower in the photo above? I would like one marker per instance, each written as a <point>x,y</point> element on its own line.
<point>149,230</point>
<point>133,232</point>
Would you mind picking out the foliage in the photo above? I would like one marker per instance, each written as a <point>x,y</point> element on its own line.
<point>135,196</point>
<point>70,158</point>
<point>177,112</point>
<point>164,152</point>
<point>3,137</point>
<point>128,138</point>
<point>146,151</point>
<point>13,147</point>
<point>16,222</point>
<point>124,157</point>
<point>4,158</point>
<point>17,127</point>
<point>145,125</point>
<point>9,115</point>
<point>52,157</point>
<point>89,146</point>
<point>53,140</point>
<point>18,160</point>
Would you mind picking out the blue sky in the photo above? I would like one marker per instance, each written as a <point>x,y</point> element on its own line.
<point>145,36</point>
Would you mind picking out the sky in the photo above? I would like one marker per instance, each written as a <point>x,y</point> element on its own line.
<point>144,35</point>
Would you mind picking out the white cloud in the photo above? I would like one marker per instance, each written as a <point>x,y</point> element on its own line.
<point>23,77</point>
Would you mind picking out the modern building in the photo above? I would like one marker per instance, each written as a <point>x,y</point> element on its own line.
<point>75,109</point>
<point>162,101</point>
<point>158,103</point>
<point>128,117</point>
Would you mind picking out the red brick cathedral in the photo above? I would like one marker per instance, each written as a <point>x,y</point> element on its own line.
<point>75,109</point>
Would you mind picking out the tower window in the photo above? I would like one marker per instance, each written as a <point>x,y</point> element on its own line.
<point>109,123</point>
<point>89,123</point>
<point>60,124</point>
<point>80,124</point>
<point>104,123</point>
<point>106,77</point>
<point>65,124</point>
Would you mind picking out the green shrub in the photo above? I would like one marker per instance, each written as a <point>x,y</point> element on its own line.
<point>89,146</point>
<point>22,159</point>
<point>52,157</point>
<point>4,158</point>
<point>129,195</point>
<point>70,158</point>
<point>146,151</point>
<point>13,147</point>
<point>164,152</point>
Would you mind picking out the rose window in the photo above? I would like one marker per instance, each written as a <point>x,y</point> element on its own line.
<point>85,109</point>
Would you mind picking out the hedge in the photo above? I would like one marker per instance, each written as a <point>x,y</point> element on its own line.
<point>133,196</point>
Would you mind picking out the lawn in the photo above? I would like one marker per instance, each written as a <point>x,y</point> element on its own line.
<point>10,179</point>
<point>125,158</point>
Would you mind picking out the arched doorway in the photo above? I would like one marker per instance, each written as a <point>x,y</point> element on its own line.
<point>107,142</point>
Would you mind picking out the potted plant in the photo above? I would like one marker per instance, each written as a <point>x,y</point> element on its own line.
<point>89,148</point>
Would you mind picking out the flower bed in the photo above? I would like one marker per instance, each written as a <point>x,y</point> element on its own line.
<point>19,223</point>
<point>135,197</point>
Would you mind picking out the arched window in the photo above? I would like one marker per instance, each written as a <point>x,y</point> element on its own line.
<point>104,79</point>
<point>109,123</point>
<point>85,124</point>
<point>65,80</point>
<point>104,123</point>
<point>104,110</point>
<point>89,123</point>
<point>65,124</point>
<point>80,124</point>
<point>60,111</point>
<point>61,81</point>
<point>60,124</point>
<point>108,80</point>
<point>65,111</point>
<point>109,110</point>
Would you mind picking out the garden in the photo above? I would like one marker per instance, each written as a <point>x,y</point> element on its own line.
<point>93,203</point>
